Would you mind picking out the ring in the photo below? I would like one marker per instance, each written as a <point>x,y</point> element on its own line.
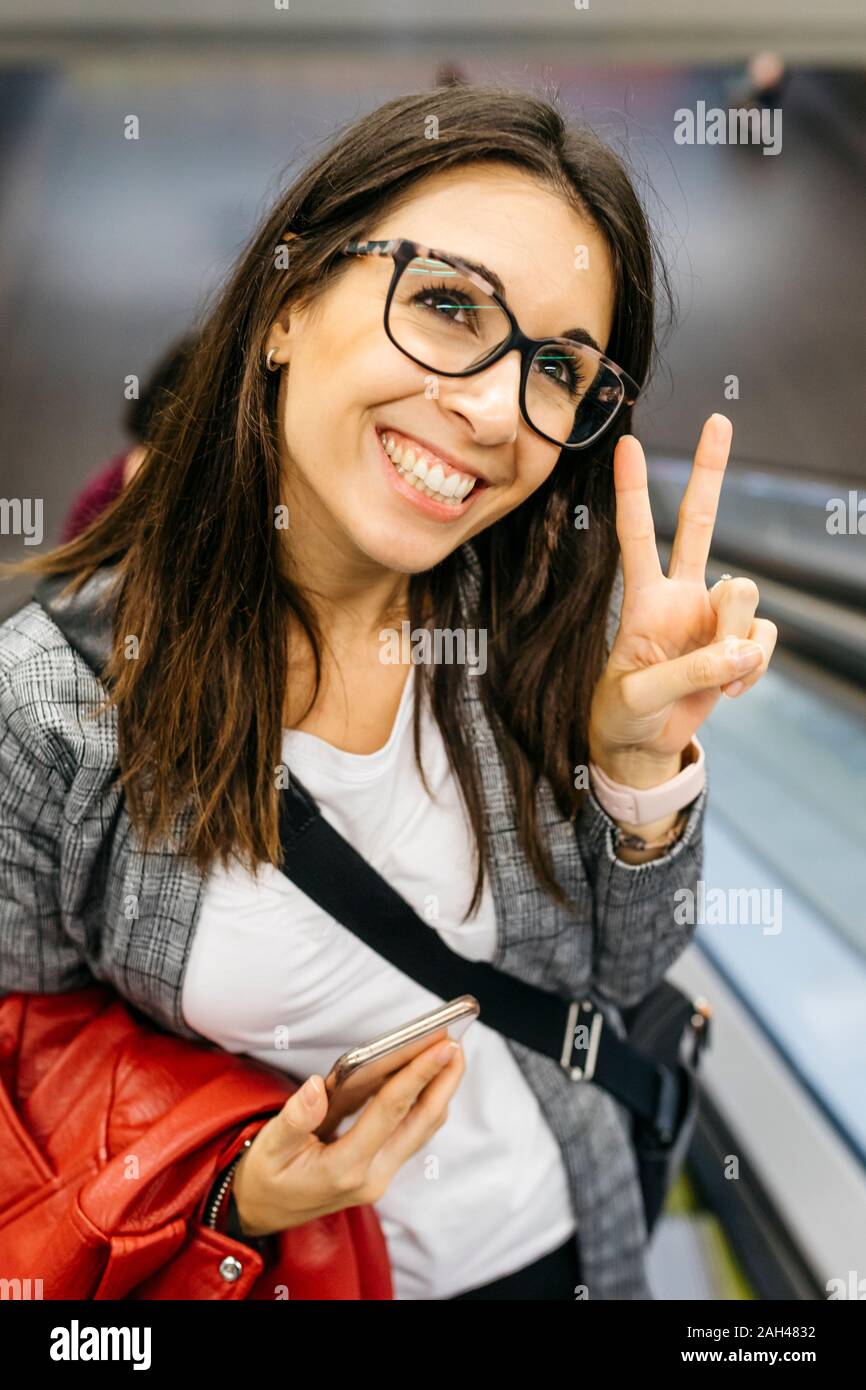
<point>722,579</point>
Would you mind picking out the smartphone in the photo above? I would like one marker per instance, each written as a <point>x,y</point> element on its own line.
<point>358,1073</point>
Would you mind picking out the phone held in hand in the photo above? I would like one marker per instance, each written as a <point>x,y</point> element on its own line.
<point>359,1073</point>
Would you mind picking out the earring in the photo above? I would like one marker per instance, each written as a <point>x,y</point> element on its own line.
<point>270,367</point>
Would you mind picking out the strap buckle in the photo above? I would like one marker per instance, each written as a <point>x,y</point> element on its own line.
<point>578,1059</point>
<point>700,1024</point>
<point>667,1106</point>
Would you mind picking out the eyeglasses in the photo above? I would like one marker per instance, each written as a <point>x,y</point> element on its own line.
<point>449,319</point>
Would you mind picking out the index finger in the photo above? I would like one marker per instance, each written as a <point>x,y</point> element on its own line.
<point>697,516</point>
<point>634,518</point>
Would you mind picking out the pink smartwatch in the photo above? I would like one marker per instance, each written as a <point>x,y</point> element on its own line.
<point>641,805</point>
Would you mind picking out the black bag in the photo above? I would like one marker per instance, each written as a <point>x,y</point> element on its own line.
<point>654,1073</point>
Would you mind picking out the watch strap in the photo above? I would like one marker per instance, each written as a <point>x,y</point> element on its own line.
<point>641,805</point>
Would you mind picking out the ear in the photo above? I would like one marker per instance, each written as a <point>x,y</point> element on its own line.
<point>279,338</point>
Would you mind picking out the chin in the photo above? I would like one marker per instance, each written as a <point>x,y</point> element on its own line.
<point>401,557</point>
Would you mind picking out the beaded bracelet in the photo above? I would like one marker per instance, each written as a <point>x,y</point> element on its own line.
<point>670,837</point>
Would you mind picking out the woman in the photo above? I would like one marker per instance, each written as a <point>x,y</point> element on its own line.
<point>362,440</point>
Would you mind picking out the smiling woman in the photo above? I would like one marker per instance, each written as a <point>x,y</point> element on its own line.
<point>427,358</point>
<point>342,348</point>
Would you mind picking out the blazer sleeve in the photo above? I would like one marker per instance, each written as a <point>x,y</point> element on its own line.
<point>641,921</point>
<point>641,917</point>
<point>35,953</point>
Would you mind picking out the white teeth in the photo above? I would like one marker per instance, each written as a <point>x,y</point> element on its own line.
<point>431,481</point>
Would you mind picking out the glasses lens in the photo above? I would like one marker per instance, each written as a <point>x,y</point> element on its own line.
<point>442,319</point>
<point>570,395</point>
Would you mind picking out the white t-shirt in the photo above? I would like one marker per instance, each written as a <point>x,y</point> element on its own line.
<point>488,1193</point>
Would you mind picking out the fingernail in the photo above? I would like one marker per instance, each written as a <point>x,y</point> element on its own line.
<point>310,1092</point>
<point>733,689</point>
<point>445,1052</point>
<point>748,657</point>
<point>722,428</point>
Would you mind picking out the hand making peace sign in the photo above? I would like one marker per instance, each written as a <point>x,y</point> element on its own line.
<point>679,644</point>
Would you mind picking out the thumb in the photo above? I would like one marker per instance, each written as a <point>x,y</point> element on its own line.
<point>302,1113</point>
<point>706,668</point>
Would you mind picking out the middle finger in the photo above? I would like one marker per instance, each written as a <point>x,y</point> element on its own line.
<point>697,515</point>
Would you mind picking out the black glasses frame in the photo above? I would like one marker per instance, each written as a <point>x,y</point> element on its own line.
<point>403,251</point>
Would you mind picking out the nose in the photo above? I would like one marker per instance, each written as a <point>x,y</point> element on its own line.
<point>488,401</point>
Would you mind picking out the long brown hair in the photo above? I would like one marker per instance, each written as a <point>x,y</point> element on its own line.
<point>202,574</point>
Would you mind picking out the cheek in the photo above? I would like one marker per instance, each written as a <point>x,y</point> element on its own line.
<point>537,462</point>
<point>338,375</point>
<point>534,466</point>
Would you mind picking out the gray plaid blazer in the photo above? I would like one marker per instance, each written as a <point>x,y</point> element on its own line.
<point>79,900</point>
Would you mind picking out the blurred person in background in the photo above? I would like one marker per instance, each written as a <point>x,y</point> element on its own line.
<point>141,414</point>
<point>762,84</point>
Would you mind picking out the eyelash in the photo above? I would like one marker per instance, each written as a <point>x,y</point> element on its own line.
<point>455,295</point>
<point>576,376</point>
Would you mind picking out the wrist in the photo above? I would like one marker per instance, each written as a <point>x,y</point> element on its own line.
<point>217,1205</point>
<point>246,1227</point>
<point>234,1199</point>
<point>649,841</point>
<point>639,798</point>
<point>635,767</point>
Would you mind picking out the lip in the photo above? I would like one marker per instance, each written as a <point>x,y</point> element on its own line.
<point>438,511</point>
<point>436,451</point>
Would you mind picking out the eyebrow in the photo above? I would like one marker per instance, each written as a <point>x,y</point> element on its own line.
<point>576,335</point>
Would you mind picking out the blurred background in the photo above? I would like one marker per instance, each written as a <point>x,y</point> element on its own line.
<point>107,246</point>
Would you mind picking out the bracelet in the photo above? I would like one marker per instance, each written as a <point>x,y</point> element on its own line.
<point>211,1218</point>
<point>637,842</point>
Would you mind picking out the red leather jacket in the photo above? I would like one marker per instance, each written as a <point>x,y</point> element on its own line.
<point>112,1134</point>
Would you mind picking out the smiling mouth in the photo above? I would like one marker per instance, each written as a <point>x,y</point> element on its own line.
<point>428,474</point>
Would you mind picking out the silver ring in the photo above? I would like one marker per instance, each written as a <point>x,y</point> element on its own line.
<point>270,355</point>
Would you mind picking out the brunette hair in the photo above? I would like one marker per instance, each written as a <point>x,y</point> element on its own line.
<point>163,380</point>
<point>202,575</point>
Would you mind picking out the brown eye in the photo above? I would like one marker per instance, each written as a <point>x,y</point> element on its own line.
<point>450,304</point>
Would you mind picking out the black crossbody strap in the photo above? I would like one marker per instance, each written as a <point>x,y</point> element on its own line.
<point>332,873</point>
